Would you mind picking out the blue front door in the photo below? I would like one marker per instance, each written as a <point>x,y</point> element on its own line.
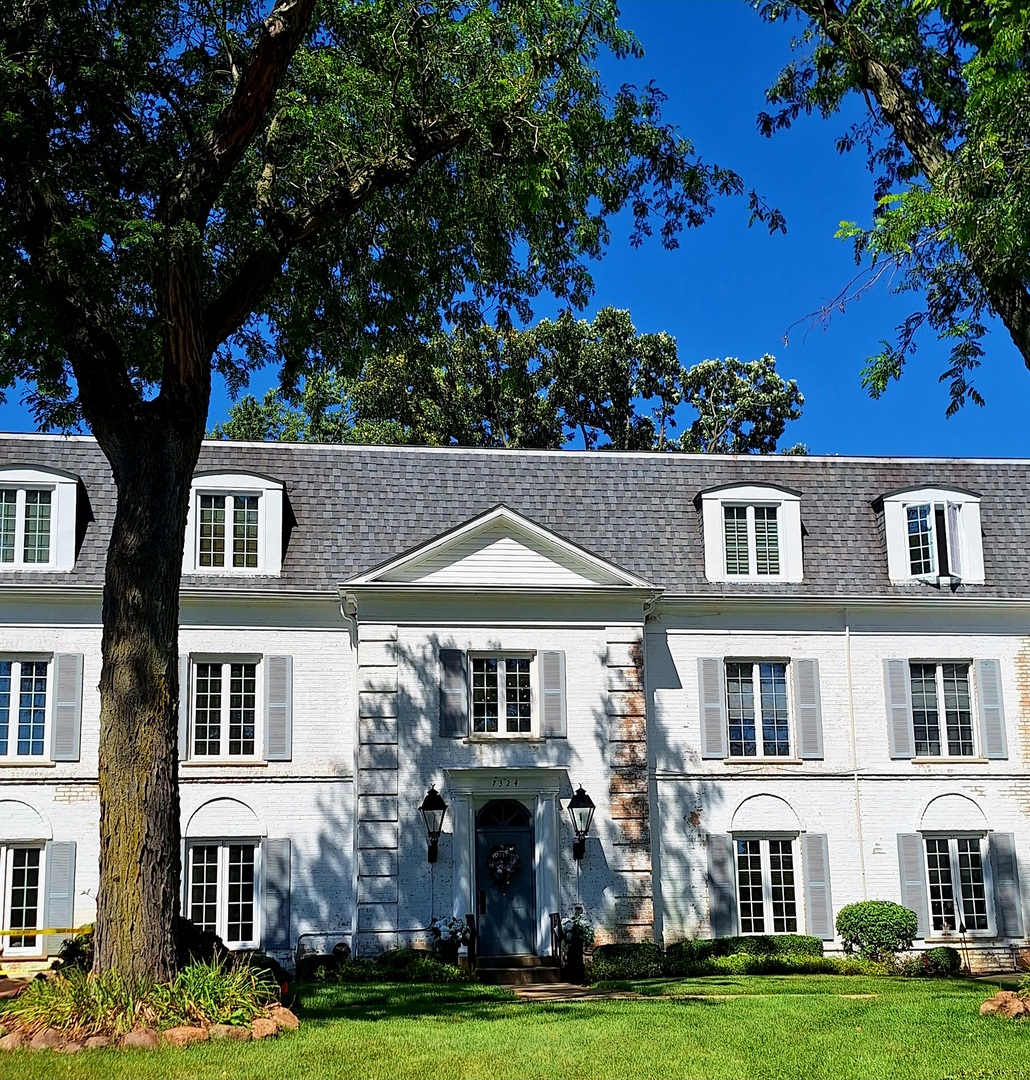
<point>504,880</point>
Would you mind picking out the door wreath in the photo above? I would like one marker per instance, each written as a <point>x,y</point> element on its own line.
<point>504,863</point>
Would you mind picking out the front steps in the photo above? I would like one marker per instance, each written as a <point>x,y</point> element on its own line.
<point>518,970</point>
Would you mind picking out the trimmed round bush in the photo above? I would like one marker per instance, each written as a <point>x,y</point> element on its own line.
<point>943,961</point>
<point>876,929</point>
<point>640,960</point>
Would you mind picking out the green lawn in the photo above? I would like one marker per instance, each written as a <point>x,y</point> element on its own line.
<point>709,1028</point>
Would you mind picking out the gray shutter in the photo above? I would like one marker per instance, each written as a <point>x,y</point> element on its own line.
<point>992,713</point>
<point>899,708</point>
<point>1008,903</point>
<point>722,892</point>
<point>454,694</point>
<point>808,709</point>
<point>67,724</point>
<point>552,678</point>
<point>278,708</point>
<point>275,857</point>
<point>815,860</point>
<point>59,903</point>
<point>911,862</point>
<point>184,708</point>
<point>713,707</point>
<point>954,542</point>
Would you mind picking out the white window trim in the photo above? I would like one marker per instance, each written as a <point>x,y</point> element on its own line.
<point>225,660</point>
<point>969,540</point>
<point>6,854</point>
<point>799,894</point>
<point>534,695</point>
<point>12,757</point>
<point>788,517</point>
<point>985,862</point>
<point>269,494</point>
<point>942,723</point>
<point>792,756</point>
<point>62,516</point>
<point>222,902</point>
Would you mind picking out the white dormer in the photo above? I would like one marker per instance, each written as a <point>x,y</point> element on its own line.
<point>235,525</point>
<point>37,519</point>
<point>752,533</point>
<point>933,535</point>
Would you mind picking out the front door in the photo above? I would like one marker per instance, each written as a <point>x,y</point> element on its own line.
<point>504,880</point>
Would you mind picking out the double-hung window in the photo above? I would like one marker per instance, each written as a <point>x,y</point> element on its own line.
<point>767,891</point>
<point>222,890</point>
<point>225,709</point>
<point>21,890</point>
<point>235,525</point>
<point>502,695</point>
<point>757,708</point>
<point>958,889</point>
<point>942,710</point>
<point>24,708</point>
<point>752,540</point>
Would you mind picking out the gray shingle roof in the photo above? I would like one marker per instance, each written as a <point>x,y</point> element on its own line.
<point>356,507</point>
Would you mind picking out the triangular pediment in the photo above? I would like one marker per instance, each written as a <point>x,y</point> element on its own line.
<point>501,549</point>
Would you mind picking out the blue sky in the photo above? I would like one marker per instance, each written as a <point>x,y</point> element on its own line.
<point>733,291</point>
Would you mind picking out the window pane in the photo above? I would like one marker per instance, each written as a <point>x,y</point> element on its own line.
<point>207,710</point>
<point>24,896</point>
<point>245,531</point>
<point>517,703</point>
<point>8,515</point>
<point>784,897</point>
<point>31,707</point>
<point>740,709</point>
<point>5,705</point>
<point>203,900</point>
<point>920,539</point>
<point>212,530</point>
<point>767,543</point>
<point>775,719</point>
<point>925,721</point>
<point>749,887</point>
<point>942,896</point>
<point>485,693</point>
<point>37,527</point>
<point>239,923</point>
<point>971,883</point>
<point>735,524</point>
<point>242,708</point>
<point>958,713</point>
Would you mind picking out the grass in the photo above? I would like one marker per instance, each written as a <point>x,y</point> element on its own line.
<point>716,1027</point>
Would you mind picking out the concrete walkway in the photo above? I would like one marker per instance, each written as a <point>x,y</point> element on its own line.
<point>571,992</point>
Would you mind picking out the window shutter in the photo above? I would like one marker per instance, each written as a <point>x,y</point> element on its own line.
<point>722,892</point>
<point>59,903</point>
<point>454,694</point>
<point>913,879</point>
<point>815,858</point>
<point>275,857</point>
<point>809,709</point>
<point>67,723</point>
<point>992,714</point>
<point>954,542</point>
<point>899,708</point>
<point>184,708</point>
<point>713,707</point>
<point>552,671</point>
<point>1008,904</point>
<point>278,708</point>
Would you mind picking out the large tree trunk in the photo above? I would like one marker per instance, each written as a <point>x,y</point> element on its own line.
<point>139,793</point>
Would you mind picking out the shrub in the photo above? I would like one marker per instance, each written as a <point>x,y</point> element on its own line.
<point>395,965</point>
<point>642,960</point>
<point>943,961</point>
<point>876,929</point>
<point>693,957</point>
<point>77,952</point>
<point>196,945</point>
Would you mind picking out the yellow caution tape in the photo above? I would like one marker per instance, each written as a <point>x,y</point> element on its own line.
<point>28,932</point>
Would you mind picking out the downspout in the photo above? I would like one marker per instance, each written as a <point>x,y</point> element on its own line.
<point>349,611</point>
<point>654,817</point>
<point>854,754</point>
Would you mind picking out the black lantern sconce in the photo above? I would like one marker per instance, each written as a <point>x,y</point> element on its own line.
<point>581,811</point>
<point>433,811</point>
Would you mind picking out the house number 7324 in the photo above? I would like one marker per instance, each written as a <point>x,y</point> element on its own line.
<point>500,781</point>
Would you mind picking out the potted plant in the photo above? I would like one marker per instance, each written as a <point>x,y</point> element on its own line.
<point>577,934</point>
<point>449,934</point>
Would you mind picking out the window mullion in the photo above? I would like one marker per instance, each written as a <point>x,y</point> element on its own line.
<point>223,727</point>
<point>752,543</point>
<point>958,901</point>
<point>756,694</point>
<point>767,904</point>
<point>502,705</point>
<point>222,892</point>
<point>19,528</point>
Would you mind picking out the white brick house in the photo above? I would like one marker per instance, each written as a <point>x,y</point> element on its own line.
<point>786,683</point>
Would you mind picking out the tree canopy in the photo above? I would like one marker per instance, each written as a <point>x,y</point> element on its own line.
<point>947,85</point>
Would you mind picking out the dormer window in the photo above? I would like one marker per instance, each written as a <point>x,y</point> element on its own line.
<point>37,519</point>
<point>933,535</point>
<point>752,533</point>
<point>235,525</point>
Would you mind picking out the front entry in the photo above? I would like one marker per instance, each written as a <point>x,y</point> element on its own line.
<point>505,887</point>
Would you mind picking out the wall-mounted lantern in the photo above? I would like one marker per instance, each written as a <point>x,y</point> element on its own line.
<point>433,811</point>
<point>581,811</point>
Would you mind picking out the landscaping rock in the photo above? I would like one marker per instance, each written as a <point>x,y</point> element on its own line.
<point>72,1046</point>
<point>98,1042</point>
<point>227,1031</point>
<point>47,1039</point>
<point>283,1019</point>
<point>185,1036</point>
<point>140,1040</point>
<point>989,1007</point>
<point>14,1041</point>
<point>1012,1007</point>
<point>263,1028</point>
